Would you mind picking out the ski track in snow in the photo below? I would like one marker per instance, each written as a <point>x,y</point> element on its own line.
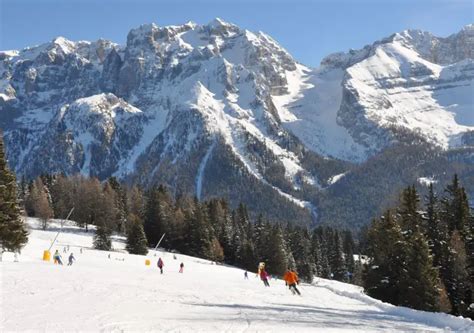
<point>101,294</point>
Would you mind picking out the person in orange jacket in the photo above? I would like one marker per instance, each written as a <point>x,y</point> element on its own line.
<point>291,279</point>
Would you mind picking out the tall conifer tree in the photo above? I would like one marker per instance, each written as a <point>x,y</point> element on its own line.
<point>13,232</point>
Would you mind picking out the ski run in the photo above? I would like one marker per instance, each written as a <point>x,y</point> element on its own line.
<point>120,293</point>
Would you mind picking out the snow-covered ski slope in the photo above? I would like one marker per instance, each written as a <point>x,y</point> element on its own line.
<point>102,294</point>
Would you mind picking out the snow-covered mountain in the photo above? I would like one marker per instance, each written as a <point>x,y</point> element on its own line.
<point>119,293</point>
<point>218,110</point>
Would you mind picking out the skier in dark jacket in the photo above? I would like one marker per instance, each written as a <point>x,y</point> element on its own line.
<point>160,265</point>
<point>71,259</point>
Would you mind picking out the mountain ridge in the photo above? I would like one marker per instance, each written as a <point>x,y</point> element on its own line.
<point>177,103</point>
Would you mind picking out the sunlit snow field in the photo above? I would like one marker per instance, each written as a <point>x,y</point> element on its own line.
<point>122,294</point>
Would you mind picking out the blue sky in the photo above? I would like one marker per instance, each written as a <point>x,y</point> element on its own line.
<point>309,30</point>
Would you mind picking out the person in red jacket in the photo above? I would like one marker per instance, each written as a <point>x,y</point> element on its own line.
<point>160,265</point>
<point>291,279</point>
<point>264,277</point>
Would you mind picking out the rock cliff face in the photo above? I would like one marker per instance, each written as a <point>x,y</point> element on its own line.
<point>220,111</point>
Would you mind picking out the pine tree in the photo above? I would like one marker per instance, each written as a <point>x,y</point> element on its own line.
<point>136,239</point>
<point>456,211</point>
<point>13,232</point>
<point>348,248</point>
<point>336,258</point>
<point>317,254</point>
<point>409,211</point>
<point>120,203</point>
<point>152,217</point>
<point>102,240</point>
<point>387,252</point>
<point>456,267</point>
<point>275,252</point>
<point>321,236</point>
<point>456,276</point>
<point>198,236</point>
<point>436,230</point>
<point>259,236</point>
<point>299,243</point>
<point>470,268</point>
<point>419,287</point>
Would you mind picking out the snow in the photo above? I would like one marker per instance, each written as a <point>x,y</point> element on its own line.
<point>231,129</point>
<point>65,45</point>
<point>334,179</point>
<point>426,181</point>
<point>154,126</point>
<point>122,294</point>
<point>396,86</point>
<point>201,169</point>
<point>9,53</point>
<point>310,111</point>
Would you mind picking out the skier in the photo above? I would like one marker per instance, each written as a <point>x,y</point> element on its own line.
<point>160,265</point>
<point>264,277</point>
<point>246,275</point>
<point>291,279</point>
<point>71,259</point>
<point>181,267</point>
<point>80,250</point>
<point>57,258</point>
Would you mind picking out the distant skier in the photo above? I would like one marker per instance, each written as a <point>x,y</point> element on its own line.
<point>160,265</point>
<point>80,250</point>
<point>71,259</point>
<point>246,275</point>
<point>264,276</point>
<point>64,250</point>
<point>291,279</point>
<point>57,258</point>
<point>181,267</point>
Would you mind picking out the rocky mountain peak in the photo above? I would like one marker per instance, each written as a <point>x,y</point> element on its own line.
<point>180,103</point>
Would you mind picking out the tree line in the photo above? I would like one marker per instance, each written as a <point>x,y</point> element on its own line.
<point>423,257</point>
<point>208,229</point>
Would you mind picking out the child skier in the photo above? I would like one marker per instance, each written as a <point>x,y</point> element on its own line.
<point>264,277</point>
<point>181,267</point>
<point>71,259</point>
<point>291,279</point>
<point>57,258</point>
<point>160,265</point>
